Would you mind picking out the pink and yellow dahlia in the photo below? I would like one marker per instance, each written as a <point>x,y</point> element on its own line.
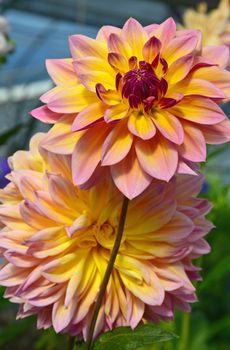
<point>56,241</point>
<point>141,102</point>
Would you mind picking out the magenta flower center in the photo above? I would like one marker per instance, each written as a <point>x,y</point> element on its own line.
<point>142,86</point>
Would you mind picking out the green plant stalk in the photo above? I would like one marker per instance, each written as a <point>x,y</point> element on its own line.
<point>185,331</point>
<point>70,344</point>
<point>108,272</point>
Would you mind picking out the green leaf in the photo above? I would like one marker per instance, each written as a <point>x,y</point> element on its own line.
<point>124,338</point>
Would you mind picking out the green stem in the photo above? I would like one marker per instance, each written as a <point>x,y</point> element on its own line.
<point>185,331</point>
<point>108,272</point>
<point>70,344</point>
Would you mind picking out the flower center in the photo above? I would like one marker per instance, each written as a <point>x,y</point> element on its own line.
<point>105,234</point>
<point>141,86</point>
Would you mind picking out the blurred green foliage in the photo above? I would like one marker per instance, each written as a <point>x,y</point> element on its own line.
<point>206,328</point>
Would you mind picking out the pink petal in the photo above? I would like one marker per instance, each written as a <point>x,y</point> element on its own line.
<point>61,70</point>
<point>151,28</point>
<point>169,126</point>
<point>178,47</point>
<point>117,144</point>
<point>105,31</point>
<point>62,315</point>
<point>83,46</point>
<point>87,153</point>
<point>198,110</point>
<point>109,97</point>
<point>165,32</point>
<point>184,168</point>
<point>44,114</point>
<point>89,115</point>
<point>217,55</point>
<point>157,157</point>
<point>135,35</point>
<point>194,146</point>
<point>217,134</point>
<point>129,176</point>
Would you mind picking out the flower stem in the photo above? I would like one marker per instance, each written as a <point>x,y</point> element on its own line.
<point>108,272</point>
<point>185,331</point>
<point>70,345</point>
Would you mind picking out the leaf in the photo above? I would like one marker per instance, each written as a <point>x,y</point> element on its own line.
<point>124,338</point>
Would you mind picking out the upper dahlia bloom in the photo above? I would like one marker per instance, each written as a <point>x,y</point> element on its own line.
<point>140,102</point>
<point>56,241</point>
<point>214,25</point>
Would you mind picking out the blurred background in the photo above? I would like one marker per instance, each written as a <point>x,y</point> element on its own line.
<point>37,30</point>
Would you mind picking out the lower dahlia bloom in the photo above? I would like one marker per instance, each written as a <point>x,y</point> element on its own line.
<point>56,241</point>
<point>141,102</point>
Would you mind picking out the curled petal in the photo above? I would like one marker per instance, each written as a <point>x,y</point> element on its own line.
<point>151,49</point>
<point>44,114</point>
<point>109,97</point>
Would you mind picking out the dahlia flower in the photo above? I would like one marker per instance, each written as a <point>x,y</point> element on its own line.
<point>56,241</point>
<point>214,25</point>
<point>140,102</point>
